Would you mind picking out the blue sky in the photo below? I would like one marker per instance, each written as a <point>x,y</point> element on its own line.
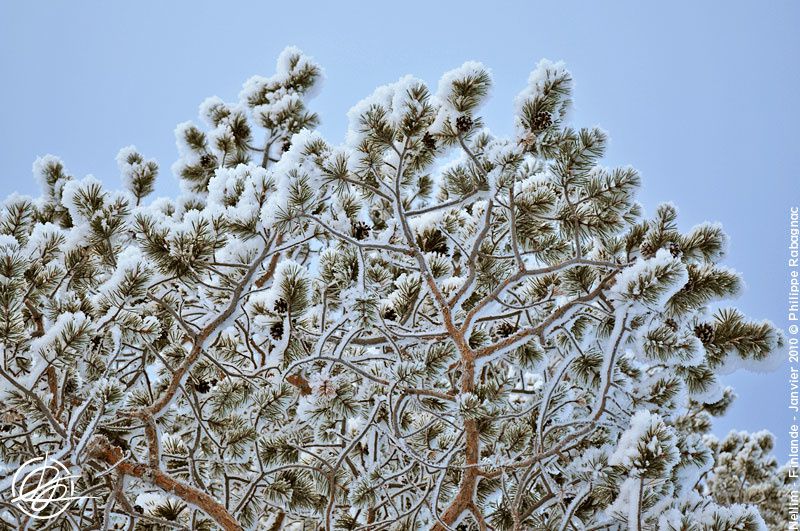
<point>701,97</point>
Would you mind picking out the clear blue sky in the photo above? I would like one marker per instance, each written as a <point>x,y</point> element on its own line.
<point>701,97</point>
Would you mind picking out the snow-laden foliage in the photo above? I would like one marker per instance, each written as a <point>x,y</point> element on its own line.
<point>427,327</point>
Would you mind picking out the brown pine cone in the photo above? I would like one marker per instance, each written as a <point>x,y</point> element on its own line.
<point>276,330</point>
<point>463,123</point>
<point>428,141</point>
<point>542,121</point>
<point>207,160</point>
<point>202,386</point>
<point>704,332</point>
<point>647,250</point>
<point>505,329</point>
<point>360,230</point>
<point>281,306</point>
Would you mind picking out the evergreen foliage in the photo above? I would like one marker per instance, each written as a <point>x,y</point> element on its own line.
<point>427,327</point>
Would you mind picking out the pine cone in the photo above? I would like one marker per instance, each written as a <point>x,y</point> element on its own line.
<point>675,249</point>
<point>704,332</point>
<point>361,230</point>
<point>428,141</point>
<point>672,324</point>
<point>542,121</point>
<point>286,146</point>
<point>281,306</point>
<point>463,123</point>
<point>505,329</point>
<point>390,314</point>
<point>276,330</point>
<point>647,250</point>
<point>202,386</point>
<point>207,160</point>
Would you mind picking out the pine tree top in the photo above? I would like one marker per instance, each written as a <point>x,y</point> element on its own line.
<point>426,327</point>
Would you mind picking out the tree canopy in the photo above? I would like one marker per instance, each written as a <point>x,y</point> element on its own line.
<point>426,327</point>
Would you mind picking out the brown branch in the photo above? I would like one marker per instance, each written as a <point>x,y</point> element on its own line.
<point>260,281</point>
<point>112,455</point>
<point>278,523</point>
<point>463,500</point>
<point>52,385</point>
<point>151,434</point>
<point>469,477</point>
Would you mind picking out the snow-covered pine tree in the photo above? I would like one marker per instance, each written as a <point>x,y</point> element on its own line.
<point>745,472</point>
<point>427,327</point>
